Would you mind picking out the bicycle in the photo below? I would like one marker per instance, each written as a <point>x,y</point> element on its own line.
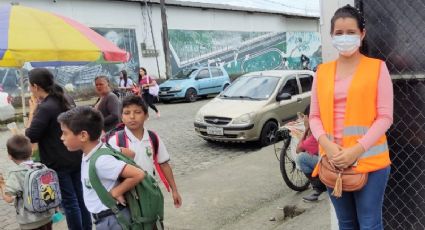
<point>292,175</point>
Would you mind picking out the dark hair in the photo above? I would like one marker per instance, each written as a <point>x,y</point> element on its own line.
<point>44,79</point>
<point>307,111</point>
<point>83,118</point>
<point>102,77</point>
<point>134,100</point>
<point>19,147</point>
<point>140,76</point>
<point>348,12</point>
<point>125,77</point>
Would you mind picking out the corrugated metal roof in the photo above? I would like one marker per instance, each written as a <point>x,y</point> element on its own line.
<point>302,8</point>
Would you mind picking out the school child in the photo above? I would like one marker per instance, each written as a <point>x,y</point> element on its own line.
<point>144,146</point>
<point>81,129</point>
<point>12,190</point>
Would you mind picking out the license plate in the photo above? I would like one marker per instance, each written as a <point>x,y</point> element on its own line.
<point>215,131</point>
<point>163,93</point>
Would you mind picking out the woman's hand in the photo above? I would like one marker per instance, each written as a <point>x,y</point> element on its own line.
<point>346,157</point>
<point>33,102</point>
<point>331,149</point>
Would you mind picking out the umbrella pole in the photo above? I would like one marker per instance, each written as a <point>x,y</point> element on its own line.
<point>24,112</point>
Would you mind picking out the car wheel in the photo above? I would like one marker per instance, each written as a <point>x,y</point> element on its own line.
<point>225,86</point>
<point>268,133</point>
<point>191,95</point>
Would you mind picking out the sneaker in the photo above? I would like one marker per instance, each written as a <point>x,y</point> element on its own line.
<point>158,115</point>
<point>312,197</point>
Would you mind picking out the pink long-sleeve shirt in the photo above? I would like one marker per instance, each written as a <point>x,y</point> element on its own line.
<point>384,108</point>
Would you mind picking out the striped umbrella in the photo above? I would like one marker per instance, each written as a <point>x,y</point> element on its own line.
<point>32,35</point>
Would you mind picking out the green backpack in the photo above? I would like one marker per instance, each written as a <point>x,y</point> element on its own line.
<point>145,201</point>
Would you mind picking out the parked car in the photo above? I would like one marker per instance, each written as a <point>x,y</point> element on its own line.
<point>6,109</point>
<point>254,106</point>
<point>191,83</point>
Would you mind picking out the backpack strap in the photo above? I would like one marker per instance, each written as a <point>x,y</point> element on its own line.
<point>121,139</point>
<point>104,196</point>
<point>153,138</point>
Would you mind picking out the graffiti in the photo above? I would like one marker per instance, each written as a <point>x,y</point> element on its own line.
<point>242,52</point>
<point>83,76</point>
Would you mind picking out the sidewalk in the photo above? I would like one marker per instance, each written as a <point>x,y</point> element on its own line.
<point>243,194</point>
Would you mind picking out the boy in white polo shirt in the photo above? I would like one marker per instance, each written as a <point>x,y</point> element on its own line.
<point>81,130</point>
<point>140,146</point>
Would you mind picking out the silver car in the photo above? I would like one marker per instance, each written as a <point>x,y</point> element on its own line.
<point>254,106</point>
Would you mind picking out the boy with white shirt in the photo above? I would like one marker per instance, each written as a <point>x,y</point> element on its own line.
<point>81,130</point>
<point>140,146</point>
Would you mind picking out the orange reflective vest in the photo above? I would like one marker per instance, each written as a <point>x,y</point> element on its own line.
<point>360,111</point>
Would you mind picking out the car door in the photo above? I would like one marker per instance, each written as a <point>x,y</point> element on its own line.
<point>306,82</point>
<point>217,79</point>
<point>288,109</point>
<point>203,79</point>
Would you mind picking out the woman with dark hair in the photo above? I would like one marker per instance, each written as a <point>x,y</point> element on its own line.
<point>125,85</point>
<point>351,109</point>
<point>125,82</point>
<point>146,82</point>
<point>44,129</point>
<point>108,103</point>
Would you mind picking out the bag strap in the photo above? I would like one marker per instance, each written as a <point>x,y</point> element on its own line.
<point>104,196</point>
<point>155,144</point>
<point>121,139</point>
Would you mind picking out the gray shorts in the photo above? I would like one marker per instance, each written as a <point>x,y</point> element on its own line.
<point>111,222</point>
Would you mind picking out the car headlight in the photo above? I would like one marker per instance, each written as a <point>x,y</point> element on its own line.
<point>244,119</point>
<point>199,117</point>
<point>176,88</point>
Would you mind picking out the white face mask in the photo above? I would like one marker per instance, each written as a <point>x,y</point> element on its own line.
<point>346,44</point>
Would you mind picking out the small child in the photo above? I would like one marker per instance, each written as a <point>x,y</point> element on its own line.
<point>308,150</point>
<point>20,150</point>
<point>81,129</point>
<point>134,115</point>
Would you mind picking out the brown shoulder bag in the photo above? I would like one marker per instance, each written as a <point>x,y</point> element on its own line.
<point>340,180</point>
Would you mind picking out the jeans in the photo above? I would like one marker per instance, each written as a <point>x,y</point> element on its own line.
<point>149,100</point>
<point>307,162</point>
<point>77,215</point>
<point>362,209</point>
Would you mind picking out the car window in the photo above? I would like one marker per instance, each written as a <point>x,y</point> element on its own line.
<point>291,87</point>
<point>306,82</point>
<point>183,74</point>
<point>251,88</point>
<point>215,72</point>
<point>203,74</point>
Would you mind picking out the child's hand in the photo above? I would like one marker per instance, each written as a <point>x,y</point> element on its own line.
<point>128,152</point>
<point>119,198</point>
<point>177,199</point>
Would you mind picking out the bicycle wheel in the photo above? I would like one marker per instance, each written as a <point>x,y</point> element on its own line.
<point>293,177</point>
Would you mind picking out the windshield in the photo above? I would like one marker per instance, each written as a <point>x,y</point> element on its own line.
<point>183,74</point>
<point>251,88</point>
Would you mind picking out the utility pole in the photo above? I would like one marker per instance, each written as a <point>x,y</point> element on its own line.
<point>165,41</point>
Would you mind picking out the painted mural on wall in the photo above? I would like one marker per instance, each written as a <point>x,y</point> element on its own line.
<point>84,75</point>
<point>242,52</point>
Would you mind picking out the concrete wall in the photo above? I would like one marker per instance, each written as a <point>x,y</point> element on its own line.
<point>328,8</point>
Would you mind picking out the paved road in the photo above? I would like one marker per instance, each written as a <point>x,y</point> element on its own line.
<point>190,153</point>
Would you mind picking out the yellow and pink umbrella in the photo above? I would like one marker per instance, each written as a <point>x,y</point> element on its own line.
<point>32,35</point>
<point>43,38</point>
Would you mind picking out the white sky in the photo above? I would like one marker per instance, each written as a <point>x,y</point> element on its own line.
<point>299,7</point>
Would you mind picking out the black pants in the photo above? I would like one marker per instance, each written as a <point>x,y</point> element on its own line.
<point>149,99</point>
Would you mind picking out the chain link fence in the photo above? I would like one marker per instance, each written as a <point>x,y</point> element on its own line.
<point>395,33</point>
